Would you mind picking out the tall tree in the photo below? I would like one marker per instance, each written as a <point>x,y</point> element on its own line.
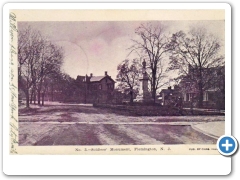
<point>28,48</point>
<point>128,76</point>
<point>37,59</point>
<point>152,46</point>
<point>195,54</point>
<point>50,61</point>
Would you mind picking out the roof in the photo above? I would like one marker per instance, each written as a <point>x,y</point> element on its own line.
<point>80,78</point>
<point>212,90</point>
<point>99,78</point>
<point>167,90</point>
<point>96,78</point>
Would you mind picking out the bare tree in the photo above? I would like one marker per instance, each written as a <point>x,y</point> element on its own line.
<point>128,76</point>
<point>28,48</point>
<point>37,59</point>
<point>152,46</point>
<point>195,54</point>
<point>50,61</point>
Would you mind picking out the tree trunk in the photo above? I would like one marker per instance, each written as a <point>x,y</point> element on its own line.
<point>39,97</point>
<point>85,97</point>
<point>200,99</point>
<point>154,94</point>
<point>34,97</point>
<point>31,98</point>
<point>131,96</point>
<point>27,98</point>
<point>154,84</point>
<point>200,88</point>
<point>42,99</point>
<point>39,92</point>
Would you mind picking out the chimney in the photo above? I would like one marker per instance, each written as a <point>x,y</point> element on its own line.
<point>169,87</point>
<point>91,74</point>
<point>86,78</point>
<point>106,73</point>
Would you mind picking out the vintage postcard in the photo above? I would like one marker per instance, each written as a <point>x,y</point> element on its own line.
<point>109,82</point>
<point>146,85</point>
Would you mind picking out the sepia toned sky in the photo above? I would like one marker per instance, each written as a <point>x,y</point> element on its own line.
<point>98,46</point>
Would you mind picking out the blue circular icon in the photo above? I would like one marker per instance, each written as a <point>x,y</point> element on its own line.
<point>227,145</point>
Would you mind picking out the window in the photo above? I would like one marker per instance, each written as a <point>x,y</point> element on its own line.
<point>189,96</point>
<point>110,86</point>
<point>99,86</point>
<point>205,96</point>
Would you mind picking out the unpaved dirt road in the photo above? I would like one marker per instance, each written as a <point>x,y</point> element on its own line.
<point>41,134</point>
<point>80,125</point>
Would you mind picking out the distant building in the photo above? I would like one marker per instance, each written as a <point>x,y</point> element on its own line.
<point>95,89</point>
<point>213,89</point>
<point>187,93</point>
<point>170,96</point>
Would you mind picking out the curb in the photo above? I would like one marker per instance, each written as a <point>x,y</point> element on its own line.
<point>204,132</point>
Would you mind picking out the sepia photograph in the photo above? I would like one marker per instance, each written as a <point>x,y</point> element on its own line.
<point>115,83</point>
<point>121,83</point>
<point>118,89</point>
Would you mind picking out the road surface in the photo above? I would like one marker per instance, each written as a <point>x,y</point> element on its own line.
<point>40,134</point>
<point>72,125</point>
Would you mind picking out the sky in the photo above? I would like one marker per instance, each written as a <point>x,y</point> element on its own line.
<point>99,46</point>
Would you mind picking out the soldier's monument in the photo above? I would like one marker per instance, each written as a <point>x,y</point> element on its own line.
<point>144,95</point>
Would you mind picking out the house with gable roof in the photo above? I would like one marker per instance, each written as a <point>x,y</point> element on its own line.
<point>96,89</point>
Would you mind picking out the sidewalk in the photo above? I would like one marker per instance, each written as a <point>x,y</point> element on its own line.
<point>206,110</point>
<point>212,129</point>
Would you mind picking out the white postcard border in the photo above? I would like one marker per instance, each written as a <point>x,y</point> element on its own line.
<point>101,165</point>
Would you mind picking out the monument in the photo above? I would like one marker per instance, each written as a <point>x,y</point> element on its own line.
<point>144,95</point>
